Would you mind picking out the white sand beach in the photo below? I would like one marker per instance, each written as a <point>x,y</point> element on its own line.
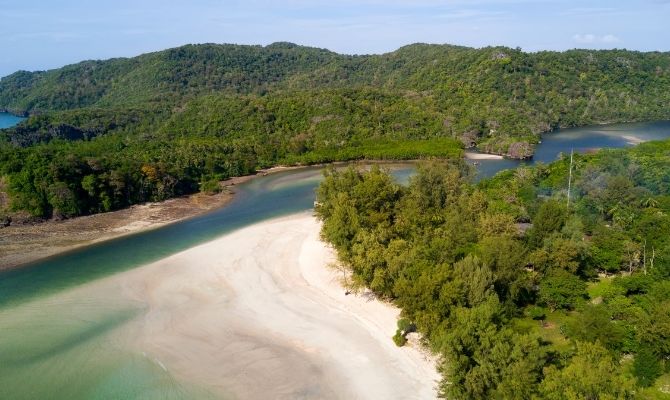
<point>257,314</point>
<point>482,156</point>
<point>633,140</point>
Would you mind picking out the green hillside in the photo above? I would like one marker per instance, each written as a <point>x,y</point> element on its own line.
<point>198,113</point>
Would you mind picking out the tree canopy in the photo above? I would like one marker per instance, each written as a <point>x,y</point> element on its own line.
<point>535,314</point>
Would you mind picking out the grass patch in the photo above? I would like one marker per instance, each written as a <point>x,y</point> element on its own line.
<point>659,391</point>
<point>549,329</point>
<point>601,288</point>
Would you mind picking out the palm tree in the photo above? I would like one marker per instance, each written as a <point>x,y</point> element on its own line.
<point>649,202</point>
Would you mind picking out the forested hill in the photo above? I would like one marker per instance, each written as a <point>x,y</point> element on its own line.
<point>493,96</point>
<point>168,76</point>
<point>104,135</point>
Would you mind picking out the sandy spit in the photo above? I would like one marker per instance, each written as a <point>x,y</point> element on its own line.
<point>258,314</point>
<point>633,140</point>
<point>22,244</point>
<point>482,156</point>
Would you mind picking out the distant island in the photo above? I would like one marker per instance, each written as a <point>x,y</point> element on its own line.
<point>103,135</point>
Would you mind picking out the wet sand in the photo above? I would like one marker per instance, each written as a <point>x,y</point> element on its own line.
<point>22,244</point>
<point>258,314</point>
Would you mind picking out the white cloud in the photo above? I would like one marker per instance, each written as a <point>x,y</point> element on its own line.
<point>610,39</point>
<point>589,38</point>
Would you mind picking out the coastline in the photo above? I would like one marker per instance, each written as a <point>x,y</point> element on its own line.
<point>27,243</point>
<point>258,314</point>
<point>255,314</point>
<point>23,244</point>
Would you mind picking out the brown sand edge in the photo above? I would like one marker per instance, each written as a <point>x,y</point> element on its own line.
<point>24,244</point>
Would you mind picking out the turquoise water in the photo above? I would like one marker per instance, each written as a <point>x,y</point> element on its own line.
<point>8,120</point>
<point>66,348</point>
<point>64,344</point>
<point>58,342</point>
<point>259,199</point>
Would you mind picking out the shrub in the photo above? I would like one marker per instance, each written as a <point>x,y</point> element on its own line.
<point>405,326</point>
<point>210,186</point>
<point>537,313</point>
<point>646,367</point>
<point>399,339</point>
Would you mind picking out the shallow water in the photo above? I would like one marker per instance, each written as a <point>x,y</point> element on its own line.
<point>67,347</point>
<point>60,340</point>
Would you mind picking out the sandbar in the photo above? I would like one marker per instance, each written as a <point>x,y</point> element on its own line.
<point>482,156</point>
<point>259,314</point>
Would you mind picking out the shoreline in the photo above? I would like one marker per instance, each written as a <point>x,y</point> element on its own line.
<point>21,245</point>
<point>482,156</point>
<point>24,244</point>
<point>633,140</point>
<point>255,314</point>
<point>265,300</point>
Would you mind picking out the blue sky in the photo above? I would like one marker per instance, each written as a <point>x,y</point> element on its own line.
<point>47,34</point>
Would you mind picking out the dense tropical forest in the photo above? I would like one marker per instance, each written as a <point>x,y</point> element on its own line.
<point>102,135</point>
<point>524,293</point>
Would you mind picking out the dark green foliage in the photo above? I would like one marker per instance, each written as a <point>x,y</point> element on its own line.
<point>249,133</point>
<point>561,289</point>
<point>250,106</point>
<point>158,77</point>
<point>537,313</point>
<point>500,97</point>
<point>549,219</point>
<point>107,134</point>
<point>592,373</point>
<point>451,256</point>
<point>479,94</point>
<point>607,251</point>
<point>646,367</point>
<point>405,326</point>
<point>210,186</point>
<point>595,324</point>
<point>485,361</point>
<point>655,329</point>
<point>399,339</point>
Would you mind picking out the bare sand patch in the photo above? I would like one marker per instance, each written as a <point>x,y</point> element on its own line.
<point>633,140</point>
<point>22,244</point>
<point>257,314</point>
<point>482,156</point>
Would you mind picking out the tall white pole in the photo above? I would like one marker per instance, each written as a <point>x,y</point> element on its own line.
<point>570,178</point>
